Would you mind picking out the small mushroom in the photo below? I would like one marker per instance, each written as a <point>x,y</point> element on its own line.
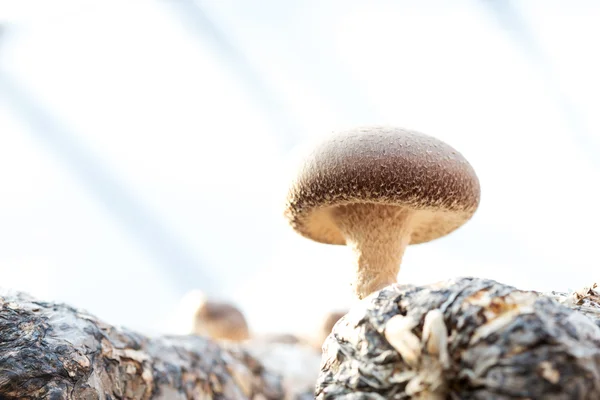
<point>221,321</point>
<point>330,319</point>
<point>378,189</point>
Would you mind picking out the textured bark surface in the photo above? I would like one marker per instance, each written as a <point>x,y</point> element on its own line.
<point>53,351</point>
<point>465,339</point>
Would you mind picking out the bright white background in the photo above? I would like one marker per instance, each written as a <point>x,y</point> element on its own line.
<point>143,144</point>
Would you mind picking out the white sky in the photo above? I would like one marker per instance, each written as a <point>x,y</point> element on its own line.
<point>139,91</point>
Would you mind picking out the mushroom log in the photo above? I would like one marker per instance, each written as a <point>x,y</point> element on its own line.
<point>465,338</point>
<point>378,189</point>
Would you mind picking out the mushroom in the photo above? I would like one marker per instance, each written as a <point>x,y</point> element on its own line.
<point>221,321</point>
<point>378,189</point>
<point>329,320</point>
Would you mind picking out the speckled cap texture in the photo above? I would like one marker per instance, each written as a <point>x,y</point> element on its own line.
<point>383,165</point>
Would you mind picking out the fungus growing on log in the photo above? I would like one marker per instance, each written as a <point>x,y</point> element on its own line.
<point>220,321</point>
<point>327,324</point>
<point>378,189</point>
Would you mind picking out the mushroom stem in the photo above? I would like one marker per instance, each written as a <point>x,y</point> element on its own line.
<point>378,235</point>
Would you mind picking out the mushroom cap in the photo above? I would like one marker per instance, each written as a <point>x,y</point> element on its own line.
<point>383,165</point>
<point>221,320</point>
<point>329,321</point>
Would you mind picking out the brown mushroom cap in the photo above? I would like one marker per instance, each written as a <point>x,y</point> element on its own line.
<point>329,322</point>
<point>383,165</point>
<point>323,330</point>
<point>220,320</point>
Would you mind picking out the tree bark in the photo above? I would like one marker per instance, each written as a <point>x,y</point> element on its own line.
<point>465,339</point>
<point>53,351</point>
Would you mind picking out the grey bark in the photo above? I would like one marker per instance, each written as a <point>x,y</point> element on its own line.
<point>468,338</point>
<point>465,339</point>
<point>53,351</point>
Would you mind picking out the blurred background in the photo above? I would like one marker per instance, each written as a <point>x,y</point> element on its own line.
<point>143,144</point>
